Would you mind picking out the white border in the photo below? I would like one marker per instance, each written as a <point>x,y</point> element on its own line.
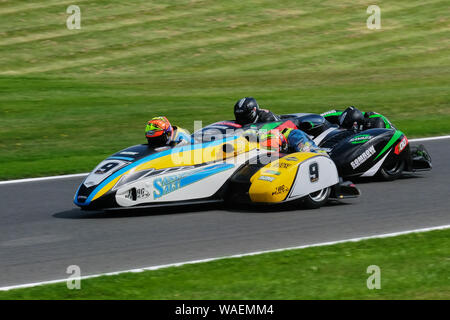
<point>78,175</point>
<point>178,264</point>
<point>67,176</point>
<point>429,138</point>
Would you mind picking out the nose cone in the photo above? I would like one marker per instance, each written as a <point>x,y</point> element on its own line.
<point>82,195</point>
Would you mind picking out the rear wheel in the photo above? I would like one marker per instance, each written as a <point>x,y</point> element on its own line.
<point>392,171</point>
<point>317,199</point>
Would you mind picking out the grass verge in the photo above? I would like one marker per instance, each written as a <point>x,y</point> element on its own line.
<point>414,266</point>
<point>69,98</point>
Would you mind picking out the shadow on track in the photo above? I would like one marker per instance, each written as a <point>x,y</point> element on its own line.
<point>76,213</point>
<point>290,206</point>
<point>136,212</point>
<point>376,180</point>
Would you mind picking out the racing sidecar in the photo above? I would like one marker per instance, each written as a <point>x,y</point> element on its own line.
<point>220,167</point>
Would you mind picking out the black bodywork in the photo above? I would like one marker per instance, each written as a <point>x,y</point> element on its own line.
<point>355,152</point>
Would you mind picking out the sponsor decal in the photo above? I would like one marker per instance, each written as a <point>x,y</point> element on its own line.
<point>216,127</point>
<point>266,178</point>
<point>328,112</point>
<point>401,145</point>
<point>167,185</point>
<point>162,148</point>
<point>284,165</point>
<point>280,190</point>
<point>362,138</point>
<point>137,193</point>
<point>314,172</point>
<point>363,157</point>
<point>277,173</point>
<point>82,198</point>
<point>291,158</point>
<point>130,153</point>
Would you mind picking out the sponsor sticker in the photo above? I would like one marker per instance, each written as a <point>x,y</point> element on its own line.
<point>362,138</point>
<point>401,145</point>
<point>363,157</point>
<point>328,112</point>
<point>162,148</point>
<point>277,173</point>
<point>137,193</point>
<point>217,127</point>
<point>291,158</point>
<point>280,190</point>
<point>314,172</point>
<point>266,178</point>
<point>167,185</point>
<point>284,165</point>
<point>130,153</point>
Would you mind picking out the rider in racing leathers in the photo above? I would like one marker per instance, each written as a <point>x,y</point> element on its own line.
<point>288,140</point>
<point>298,141</point>
<point>353,118</point>
<point>247,111</point>
<point>159,133</point>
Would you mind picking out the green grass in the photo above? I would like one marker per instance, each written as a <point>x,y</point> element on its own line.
<point>68,98</point>
<point>414,266</point>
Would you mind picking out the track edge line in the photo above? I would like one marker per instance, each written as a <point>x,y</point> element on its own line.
<point>77,175</point>
<point>179,264</point>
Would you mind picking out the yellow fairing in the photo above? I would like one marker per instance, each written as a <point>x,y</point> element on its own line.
<point>200,155</point>
<point>273,182</point>
<point>189,158</point>
<point>106,188</point>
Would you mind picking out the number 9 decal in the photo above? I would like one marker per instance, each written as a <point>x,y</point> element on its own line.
<point>107,167</point>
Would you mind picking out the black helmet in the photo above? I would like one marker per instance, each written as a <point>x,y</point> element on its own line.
<point>351,115</point>
<point>246,110</point>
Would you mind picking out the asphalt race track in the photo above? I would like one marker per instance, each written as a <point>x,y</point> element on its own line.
<point>42,232</point>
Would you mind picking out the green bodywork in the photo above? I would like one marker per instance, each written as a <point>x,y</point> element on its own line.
<point>394,138</point>
<point>270,126</point>
<point>386,121</point>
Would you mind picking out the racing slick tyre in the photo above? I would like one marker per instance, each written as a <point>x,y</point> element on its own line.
<point>317,199</point>
<point>392,171</point>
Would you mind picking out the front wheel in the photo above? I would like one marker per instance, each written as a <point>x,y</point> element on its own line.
<point>317,199</point>
<point>393,171</point>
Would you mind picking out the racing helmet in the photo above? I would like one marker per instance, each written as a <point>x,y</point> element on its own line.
<point>158,131</point>
<point>350,117</point>
<point>274,140</point>
<point>246,110</point>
